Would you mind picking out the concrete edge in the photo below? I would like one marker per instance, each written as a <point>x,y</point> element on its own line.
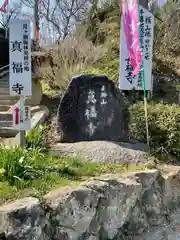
<point>39,117</point>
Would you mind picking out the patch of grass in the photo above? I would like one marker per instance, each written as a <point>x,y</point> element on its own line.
<point>26,172</point>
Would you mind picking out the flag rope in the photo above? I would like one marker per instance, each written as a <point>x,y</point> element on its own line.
<point>143,80</point>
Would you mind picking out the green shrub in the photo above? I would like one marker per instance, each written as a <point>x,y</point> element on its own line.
<point>164,126</point>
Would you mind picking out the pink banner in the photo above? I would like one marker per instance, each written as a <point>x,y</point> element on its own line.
<point>131,30</point>
<point>3,8</point>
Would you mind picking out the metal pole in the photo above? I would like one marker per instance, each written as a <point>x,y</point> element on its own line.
<point>144,3</point>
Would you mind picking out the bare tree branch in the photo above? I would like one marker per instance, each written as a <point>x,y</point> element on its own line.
<point>61,15</point>
<point>14,12</point>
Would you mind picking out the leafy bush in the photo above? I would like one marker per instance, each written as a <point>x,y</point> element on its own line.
<point>164,126</point>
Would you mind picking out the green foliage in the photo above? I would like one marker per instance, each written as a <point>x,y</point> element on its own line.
<point>106,31</point>
<point>164,126</point>
<point>109,68</point>
<point>24,172</point>
<point>18,164</point>
<point>109,11</point>
<point>36,138</point>
<point>167,35</point>
<point>15,165</point>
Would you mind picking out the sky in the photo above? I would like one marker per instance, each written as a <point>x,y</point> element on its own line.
<point>25,10</point>
<point>2,1</point>
<point>45,31</point>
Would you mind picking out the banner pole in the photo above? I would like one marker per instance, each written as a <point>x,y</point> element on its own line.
<point>146,119</point>
<point>143,80</point>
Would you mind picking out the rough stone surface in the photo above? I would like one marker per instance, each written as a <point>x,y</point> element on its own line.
<point>92,109</point>
<point>37,93</point>
<point>134,206</point>
<point>23,219</point>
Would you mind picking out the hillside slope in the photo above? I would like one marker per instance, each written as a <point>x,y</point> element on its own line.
<point>103,28</point>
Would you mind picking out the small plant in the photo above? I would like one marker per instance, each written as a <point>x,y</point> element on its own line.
<point>15,165</point>
<point>152,162</point>
<point>36,139</point>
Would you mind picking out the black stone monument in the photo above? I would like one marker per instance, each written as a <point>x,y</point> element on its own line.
<point>92,108</point>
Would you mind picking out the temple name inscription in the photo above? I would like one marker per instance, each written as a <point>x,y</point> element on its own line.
<point>92,109</point>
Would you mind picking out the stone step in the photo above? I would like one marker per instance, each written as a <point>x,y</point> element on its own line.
<point>4,108</point>
<point>3,82</point>
<point>11,136</point>
<point>8,102</point>
<point>8,132</point>
<point>4,91</point>
<point>4,86</point>
<point>8,97</point>
<point>6,124</point>
<point>6,116</point>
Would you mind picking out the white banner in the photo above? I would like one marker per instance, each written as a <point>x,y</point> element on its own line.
<point>127,82</point>
<point>20,79</point>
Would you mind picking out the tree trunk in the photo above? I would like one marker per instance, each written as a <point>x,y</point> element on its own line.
<point>36,20</point>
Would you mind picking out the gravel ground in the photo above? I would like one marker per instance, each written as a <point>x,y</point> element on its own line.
<point>102,152</point>
<point>96,151</point>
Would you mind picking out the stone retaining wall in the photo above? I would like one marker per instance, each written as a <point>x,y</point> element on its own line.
<point>142,205</point>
